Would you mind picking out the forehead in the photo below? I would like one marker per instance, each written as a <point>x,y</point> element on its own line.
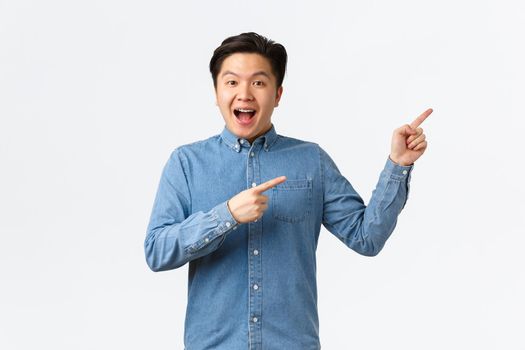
<point>246,64</point>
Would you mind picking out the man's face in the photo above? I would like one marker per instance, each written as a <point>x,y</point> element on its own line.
<point>246,82</point>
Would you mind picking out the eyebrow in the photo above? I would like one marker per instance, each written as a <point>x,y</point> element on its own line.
<point>254,74</point>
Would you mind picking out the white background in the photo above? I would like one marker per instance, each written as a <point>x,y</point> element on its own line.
<point>94,96</point>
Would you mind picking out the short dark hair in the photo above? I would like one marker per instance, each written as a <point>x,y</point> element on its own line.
<point>250,43</point>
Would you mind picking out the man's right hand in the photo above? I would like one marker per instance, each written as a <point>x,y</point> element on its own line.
<point>249,205</point>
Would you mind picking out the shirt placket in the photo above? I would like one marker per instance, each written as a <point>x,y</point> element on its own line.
<point>254,258</point>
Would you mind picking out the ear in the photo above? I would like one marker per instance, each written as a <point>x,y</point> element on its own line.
<point>278,95</point>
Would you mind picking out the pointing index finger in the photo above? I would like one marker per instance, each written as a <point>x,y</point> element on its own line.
<point>265,186</point>
<point>417,122</point>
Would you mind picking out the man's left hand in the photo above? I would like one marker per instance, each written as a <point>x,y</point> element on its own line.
<point>408,141</point>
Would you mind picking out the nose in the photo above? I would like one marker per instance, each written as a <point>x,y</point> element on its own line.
<point>244,93</point>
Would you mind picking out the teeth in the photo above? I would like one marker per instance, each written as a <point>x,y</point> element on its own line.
<point>245,110</point>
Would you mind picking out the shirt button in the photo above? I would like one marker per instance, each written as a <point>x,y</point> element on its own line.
<point>252,154</point>
<point>255,319</point>
<point>255,287</point>
<point>255,252</point>
<point>206,240</point>
<point>405,172</point>
<point>254,184</point>
<point>242,141</point>
<point>228,224</point>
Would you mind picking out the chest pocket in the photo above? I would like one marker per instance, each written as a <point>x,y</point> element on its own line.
<point>291,200</point>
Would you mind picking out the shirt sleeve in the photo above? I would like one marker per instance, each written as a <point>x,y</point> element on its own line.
<point>175,237</point>
<point>365,229</point>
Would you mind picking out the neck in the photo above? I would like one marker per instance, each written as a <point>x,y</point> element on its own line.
<point>261,133</point>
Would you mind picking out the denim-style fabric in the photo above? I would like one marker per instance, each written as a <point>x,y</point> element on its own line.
<point>253,286</point>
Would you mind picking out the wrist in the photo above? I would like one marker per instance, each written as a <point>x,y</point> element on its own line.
<point>398,162</point>
<point>230,211</point>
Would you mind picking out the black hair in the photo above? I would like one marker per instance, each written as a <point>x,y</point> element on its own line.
<point>250,42</point>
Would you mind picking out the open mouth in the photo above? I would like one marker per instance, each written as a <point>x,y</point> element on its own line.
<point>244,116</point>
<point>244,113</point>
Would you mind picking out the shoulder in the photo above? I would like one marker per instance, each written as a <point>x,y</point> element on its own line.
<point>292,142</point>
<point>195,147</point>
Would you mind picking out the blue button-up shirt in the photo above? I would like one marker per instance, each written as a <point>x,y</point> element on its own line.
<point>253,286</point>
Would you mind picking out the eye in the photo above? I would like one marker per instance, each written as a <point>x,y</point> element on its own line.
<point>258,83</point>
<point>231,82</point>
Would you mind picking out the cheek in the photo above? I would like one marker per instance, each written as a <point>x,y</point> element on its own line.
<point>268,100</point>
<point>224,97</point>
<point>267,104</point>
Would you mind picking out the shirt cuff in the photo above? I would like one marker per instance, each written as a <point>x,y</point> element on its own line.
<point>225,220</point>
<point>397,171</point>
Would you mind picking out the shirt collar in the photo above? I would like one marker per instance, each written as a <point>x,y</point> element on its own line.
<point>236,143</point>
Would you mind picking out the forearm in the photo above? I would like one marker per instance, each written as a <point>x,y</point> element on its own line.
<point>169,245</point>
<point>386,203</point>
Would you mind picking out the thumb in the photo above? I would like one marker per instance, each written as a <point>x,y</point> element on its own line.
<point>406,130</point>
